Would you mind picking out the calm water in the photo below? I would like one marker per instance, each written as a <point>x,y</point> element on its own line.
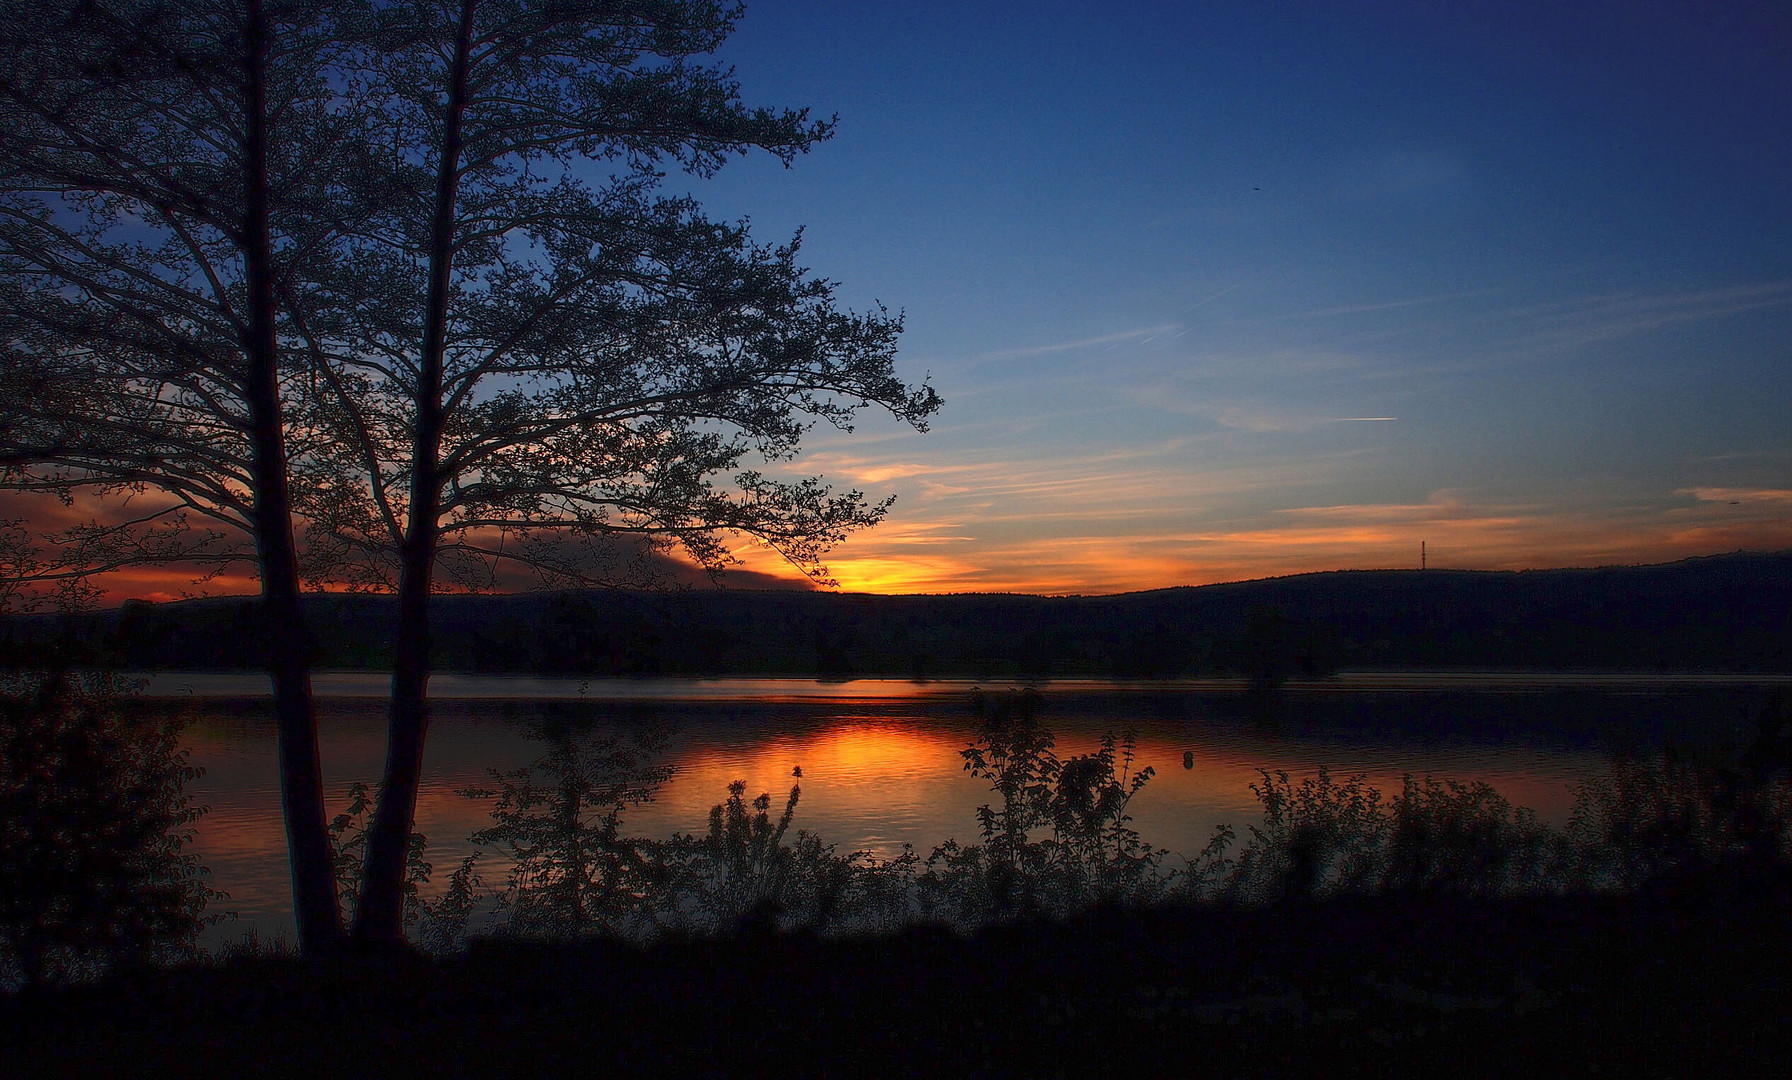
<point>880,762</point>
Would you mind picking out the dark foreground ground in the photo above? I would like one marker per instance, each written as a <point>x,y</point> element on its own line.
<point>1636,986</point>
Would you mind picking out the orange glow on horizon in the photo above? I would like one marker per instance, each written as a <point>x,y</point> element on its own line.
<point>1059,558</point>
<point>1263,556</point>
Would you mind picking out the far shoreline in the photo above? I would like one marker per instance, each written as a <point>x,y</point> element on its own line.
<point>461,686</point>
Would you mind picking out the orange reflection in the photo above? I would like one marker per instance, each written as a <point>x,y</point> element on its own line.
<point>869,782</point>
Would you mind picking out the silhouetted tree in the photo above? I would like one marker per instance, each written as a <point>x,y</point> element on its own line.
<point>169,172</point>
<point>335,259</point>
<point>1269,648</point>
<point>543,362</point>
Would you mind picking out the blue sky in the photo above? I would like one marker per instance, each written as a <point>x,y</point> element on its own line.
<point>1171,265</point>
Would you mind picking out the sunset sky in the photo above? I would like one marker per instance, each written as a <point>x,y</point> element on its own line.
<point>1229,290</point>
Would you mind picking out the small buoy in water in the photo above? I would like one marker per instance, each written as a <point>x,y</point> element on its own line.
<point>1188,759</point>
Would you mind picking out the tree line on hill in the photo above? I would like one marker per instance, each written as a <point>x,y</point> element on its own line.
<point>1726,613</point>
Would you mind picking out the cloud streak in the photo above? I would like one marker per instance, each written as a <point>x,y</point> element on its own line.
<point>1458,530</point>
<point>1110,340</point>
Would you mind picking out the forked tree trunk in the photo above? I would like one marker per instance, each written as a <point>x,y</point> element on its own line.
<point>379,921</point>
<point>288,643</point>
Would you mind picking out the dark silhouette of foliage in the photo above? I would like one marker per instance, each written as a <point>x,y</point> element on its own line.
<point>1001,875</point>
<point>573,873</point>
<point>1458,838</point>
<point>348,845</point>
<point>1321,837</point>
<point>742,874</point>
<point>1091,827</point>
<point>559,822</point>
<point>341,262</point>
<point>1156,652</point>
<point>547,366</point>
<point>1092,854</point>
<point>749,849</point>
<point>94,823</point>
<point>1317,837</point>
<point>1060,840</point>
<point>1719,614</point>
<point>1686,821</point>
<point>172,179</point>
<point>1269,648</point>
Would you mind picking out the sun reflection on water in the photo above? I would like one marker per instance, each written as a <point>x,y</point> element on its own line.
<point>875,775</point>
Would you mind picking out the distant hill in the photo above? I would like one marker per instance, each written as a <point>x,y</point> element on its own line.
<point>1721,613</point>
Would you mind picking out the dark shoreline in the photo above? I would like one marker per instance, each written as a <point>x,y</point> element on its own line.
<point>1674,981</point>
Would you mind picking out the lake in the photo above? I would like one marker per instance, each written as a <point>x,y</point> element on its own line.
<point>880,758</point>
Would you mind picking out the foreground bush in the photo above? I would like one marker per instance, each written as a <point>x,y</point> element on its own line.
<point>93,823</point>
<point>1321,837</point>
<point>93,827</point>
<point>1685,819</point>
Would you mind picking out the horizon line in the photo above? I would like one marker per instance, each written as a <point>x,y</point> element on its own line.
<point>455,595</point>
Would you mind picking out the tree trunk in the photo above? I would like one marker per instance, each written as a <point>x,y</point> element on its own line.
<point>379,919</point>
<point>288,643</point>
<point>379,922</point>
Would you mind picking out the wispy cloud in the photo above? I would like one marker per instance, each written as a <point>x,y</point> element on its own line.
<point>1069,551</point>
<point>870,473</point>
<point>1446,333</point>
<point>1119,338</point>
<point>1578,322</point>
<point>1388,305</point>
<point>1777,498</point>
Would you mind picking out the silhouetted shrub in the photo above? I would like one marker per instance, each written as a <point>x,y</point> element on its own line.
<point>1317,838</point>
<point>1321,837</point>
<point>742,864</point>
<point>1092,854</point>
<point>743,871</point>
<point>348,847</point>
<point>93,823</point>
<point>1466,839</point>
<point>1691,819</point>
<point>559,822</point>
<point>1060,840</point>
